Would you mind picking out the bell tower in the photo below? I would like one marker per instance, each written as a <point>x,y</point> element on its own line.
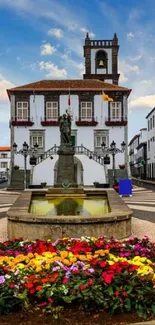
<point>101,59</point>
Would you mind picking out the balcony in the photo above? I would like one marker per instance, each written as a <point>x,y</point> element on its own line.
<point>53,122</point>
<point>121,121</point>
<point>80,121</point>
<point>27,122</point>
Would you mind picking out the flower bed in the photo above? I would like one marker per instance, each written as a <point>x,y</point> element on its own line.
<point>91,272</point>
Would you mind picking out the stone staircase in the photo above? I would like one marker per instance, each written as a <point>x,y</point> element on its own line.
<point>119,174</point>
<point>17,180</point>
<point>77,149</point>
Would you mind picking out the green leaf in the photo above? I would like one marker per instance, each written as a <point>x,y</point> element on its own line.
<point>67,299</point>
<point>110,290</point>
<point>127,304</point>
<point>153,309</point>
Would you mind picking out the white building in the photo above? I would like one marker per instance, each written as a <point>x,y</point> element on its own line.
<point>5,154</point>
<point>151,144</point>
<point>35,109</point>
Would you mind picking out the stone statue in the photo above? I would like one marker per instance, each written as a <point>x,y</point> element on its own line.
<point>65,128</point>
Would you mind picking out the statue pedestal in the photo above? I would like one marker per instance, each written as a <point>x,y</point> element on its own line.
<point>65,173</point>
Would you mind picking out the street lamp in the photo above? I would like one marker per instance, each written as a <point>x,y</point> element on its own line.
<point>25,152</point>
<point>113,151</point>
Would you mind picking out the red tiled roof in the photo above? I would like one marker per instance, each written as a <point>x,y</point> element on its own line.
<point>5,148</point>
<point>79,84</point>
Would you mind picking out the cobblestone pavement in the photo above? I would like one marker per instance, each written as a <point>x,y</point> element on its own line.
<point>142,203</point>
<point>6,200</point>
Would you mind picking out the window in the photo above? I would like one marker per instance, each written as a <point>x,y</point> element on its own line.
<point>86,111</point>
<point>153,121</point>
<point>38,140</point>
<point>148,145</point>
<point>115,110</point>
<point>22,111</point>
<point>4,155</point>
<point>51,111</point>
<point>99,140</point>
<point>4,164</point>
<point>151,124</point>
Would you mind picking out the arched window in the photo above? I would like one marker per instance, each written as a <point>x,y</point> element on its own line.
<point>101,60</point>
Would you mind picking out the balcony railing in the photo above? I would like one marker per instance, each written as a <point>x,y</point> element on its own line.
<point>22,122</point>
<point>47,122</point>
<point>120,121</point>
<point>81,121</point>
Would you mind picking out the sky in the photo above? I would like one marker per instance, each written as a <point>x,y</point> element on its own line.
<point>42,39</point>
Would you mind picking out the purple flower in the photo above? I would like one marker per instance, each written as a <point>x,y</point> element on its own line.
<point>91,270</point>
<point>2,279</point>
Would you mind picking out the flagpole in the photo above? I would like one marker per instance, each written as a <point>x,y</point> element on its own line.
<point>102,110</point>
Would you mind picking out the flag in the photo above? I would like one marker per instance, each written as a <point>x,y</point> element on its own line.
<point>106,98</point>
<point>69,100</point>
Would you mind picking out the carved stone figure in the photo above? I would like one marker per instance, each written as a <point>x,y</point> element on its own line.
<point>65,128</point>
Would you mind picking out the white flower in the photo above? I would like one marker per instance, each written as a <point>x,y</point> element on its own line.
<point>7,276</point>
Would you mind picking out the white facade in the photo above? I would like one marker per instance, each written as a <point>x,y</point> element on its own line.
<point>151,144</point>
<point>92,171</point>
<point>5,155</point>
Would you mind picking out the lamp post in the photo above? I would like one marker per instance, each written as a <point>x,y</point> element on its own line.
<point>25,152</point>
<point>113,151</point>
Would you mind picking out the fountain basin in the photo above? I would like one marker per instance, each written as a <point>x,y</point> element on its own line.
<point>116,222</point>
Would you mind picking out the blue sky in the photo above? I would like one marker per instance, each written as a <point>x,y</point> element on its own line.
<point>42,39</point>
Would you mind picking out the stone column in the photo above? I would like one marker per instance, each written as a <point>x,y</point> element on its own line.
<point>65,172</point>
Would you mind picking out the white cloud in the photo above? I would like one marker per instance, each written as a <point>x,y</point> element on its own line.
<point>127,68</point>
<point>85,30</point>
<point>57,32</point>
<point>135,58</point>
<point>152,58</point>
<point>4,84</point>
<point>122,77</point>
<point>130,35</point>
<point>144,101</point>
<point>52,70</point>
<point>47,49</point>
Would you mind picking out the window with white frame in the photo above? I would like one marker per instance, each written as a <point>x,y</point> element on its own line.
<point>99,139</point>
<point>115,110</point>
<point>38,140</point>
<point>22,111</point>
<point>86,111</point>
<point>51,111</point>
<point>4,164</point>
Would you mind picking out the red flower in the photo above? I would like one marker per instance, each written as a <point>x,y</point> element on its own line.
<point>82,287</point>
<point>133,268</point>
<point>11,285</point>
<point>38,288</point>
<point>43,304</point>
<point>90,282</point>
<point>117,293</point>
<point>65,280</point>
<point>74,292</point>
<point>103,264</point>
<point>29,285</point>
<point>94,261</point>
<point>54,276</point>
<point>107,277</point>
<point>32,291</point>
<point>124,294</point>
<point>44,280</point>
<point>50,300</point>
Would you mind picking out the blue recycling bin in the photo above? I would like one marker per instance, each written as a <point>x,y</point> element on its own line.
<point>125,187</point>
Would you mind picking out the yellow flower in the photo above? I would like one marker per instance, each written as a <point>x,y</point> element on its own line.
<point>66,262</point>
